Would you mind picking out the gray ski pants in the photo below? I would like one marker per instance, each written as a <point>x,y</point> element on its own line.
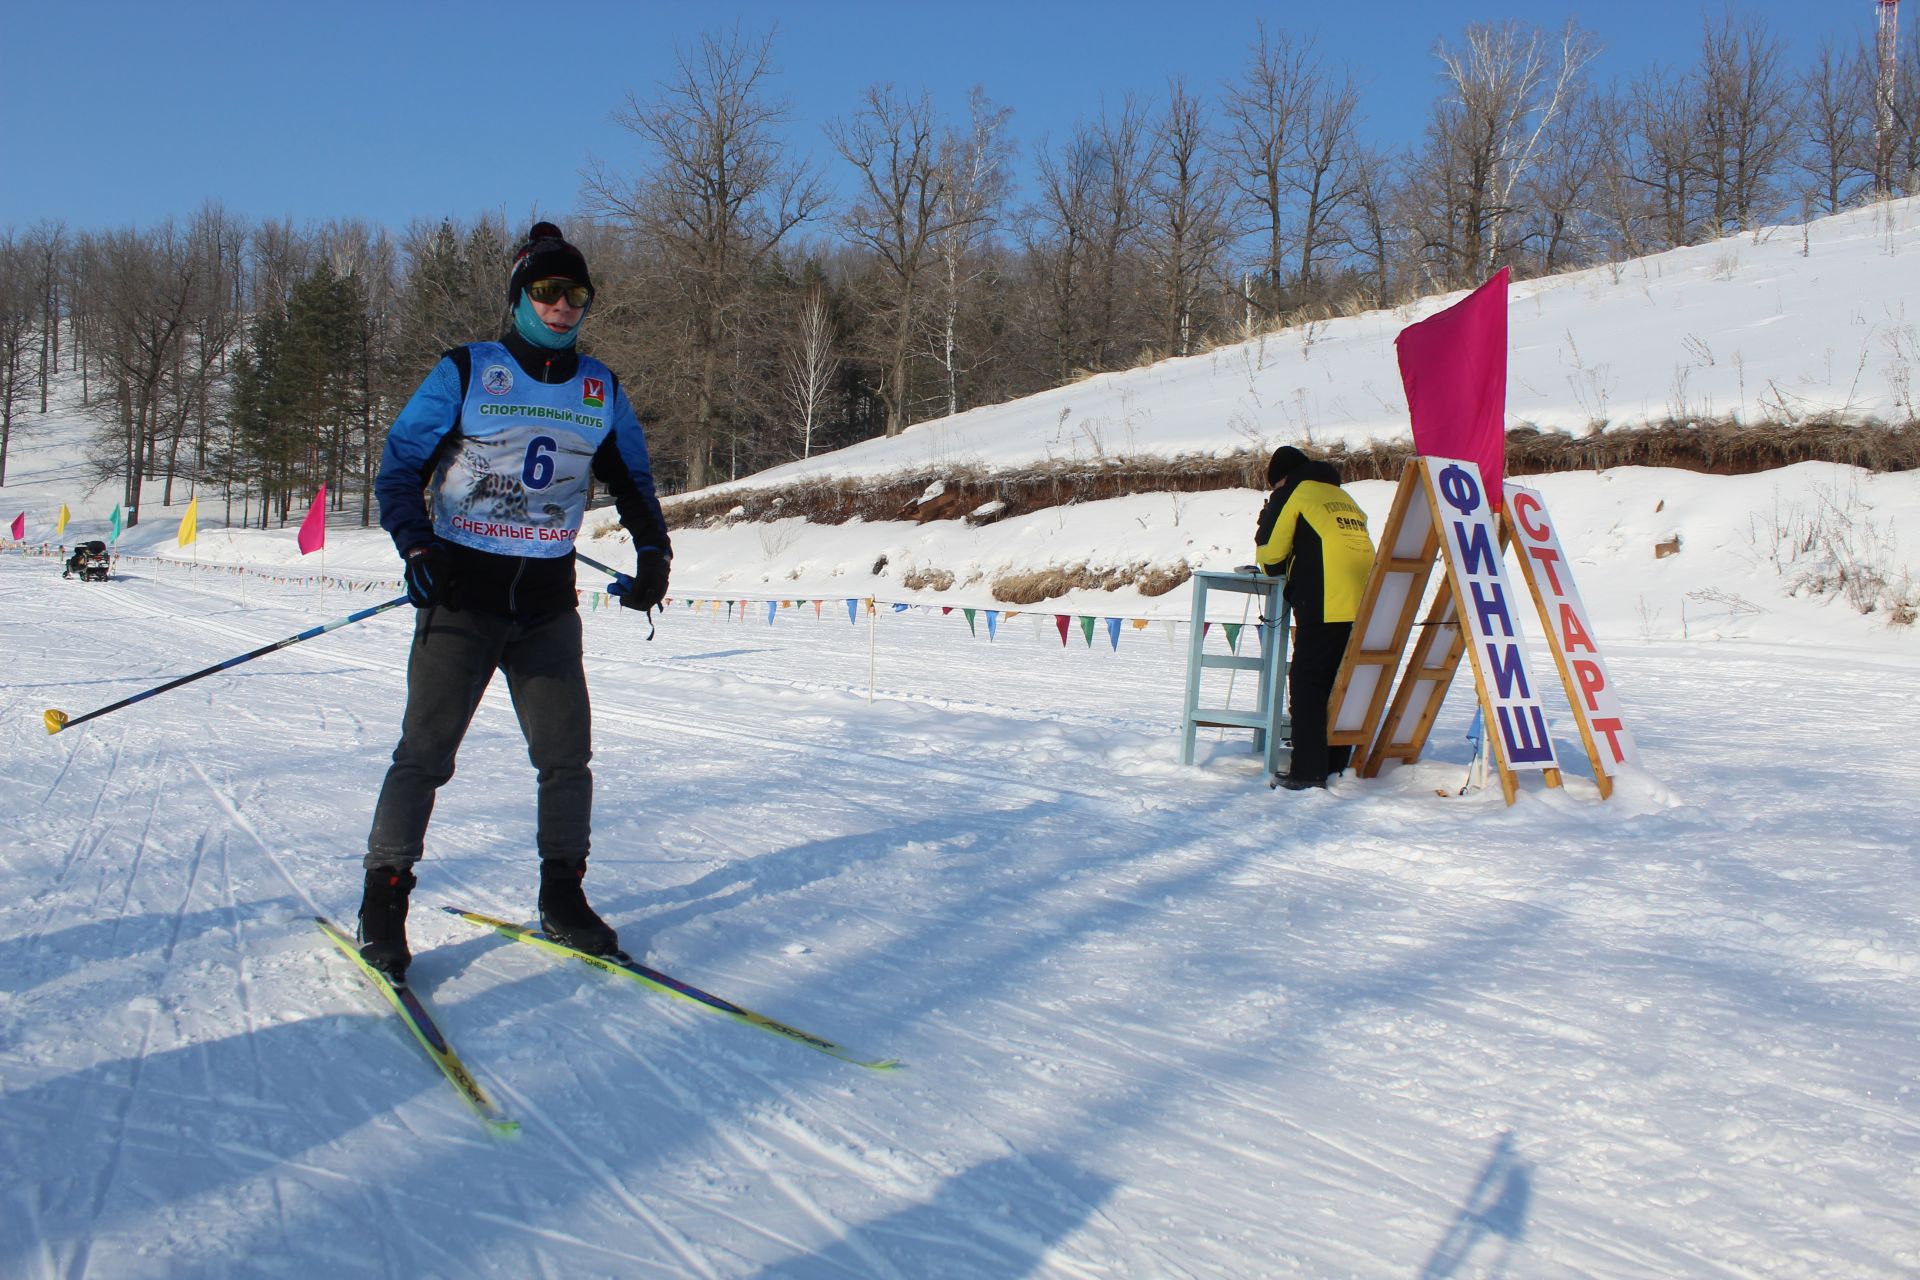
<point>452,661</point>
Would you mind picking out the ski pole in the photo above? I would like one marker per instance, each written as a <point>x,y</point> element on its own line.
<point>617,576</point>
<point>585,559</point>
<point>58,720</point>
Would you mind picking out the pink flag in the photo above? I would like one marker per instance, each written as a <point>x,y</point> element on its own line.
<point>20,527</point>
<point>1454,367</point>
<point>313,530</point>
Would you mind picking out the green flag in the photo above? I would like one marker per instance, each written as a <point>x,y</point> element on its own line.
<point>116,524</point>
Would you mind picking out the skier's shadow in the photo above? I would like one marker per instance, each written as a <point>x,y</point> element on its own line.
<point>27,962</point>
<point>1496,1206</point>
<point>1031,1202</point>
<point>94,1154</point>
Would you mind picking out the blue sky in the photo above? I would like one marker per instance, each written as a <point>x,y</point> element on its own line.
<point>119,114</point>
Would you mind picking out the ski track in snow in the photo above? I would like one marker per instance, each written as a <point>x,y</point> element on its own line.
<point>1157,1020</point>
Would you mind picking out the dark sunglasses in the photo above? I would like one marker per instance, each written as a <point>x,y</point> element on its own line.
<point>548,292</point>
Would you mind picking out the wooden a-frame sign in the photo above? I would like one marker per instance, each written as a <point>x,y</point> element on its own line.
<point>1440,512</point>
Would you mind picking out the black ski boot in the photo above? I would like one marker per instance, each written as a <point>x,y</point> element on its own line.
<point>383,921</point>
<point>564,914</point>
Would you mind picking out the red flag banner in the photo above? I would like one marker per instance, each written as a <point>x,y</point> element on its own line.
<point>1454,368</point>
<point>20,527</point>
<point>313,530</point>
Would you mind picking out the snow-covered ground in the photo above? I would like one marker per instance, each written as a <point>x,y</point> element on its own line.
<point>1159,1020</point>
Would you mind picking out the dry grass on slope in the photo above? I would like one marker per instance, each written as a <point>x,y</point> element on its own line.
<point>982,497</point>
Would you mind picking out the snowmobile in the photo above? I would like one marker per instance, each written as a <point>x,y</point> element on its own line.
<point>89,562</point>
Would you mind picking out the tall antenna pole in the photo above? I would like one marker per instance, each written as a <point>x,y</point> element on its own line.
<point>1887,47</point>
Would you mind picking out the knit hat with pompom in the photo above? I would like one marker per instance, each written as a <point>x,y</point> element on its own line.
<point>545,255</point>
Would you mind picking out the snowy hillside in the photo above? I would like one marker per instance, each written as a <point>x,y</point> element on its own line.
<point>1158,1020</point>
<point>1776,326</point>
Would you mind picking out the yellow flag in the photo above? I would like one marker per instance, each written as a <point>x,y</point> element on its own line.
<point>190,522</point>
<point>60,526</point>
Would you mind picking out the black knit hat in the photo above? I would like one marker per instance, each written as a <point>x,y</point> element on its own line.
<point>1285,461</point>
<point>546,255</point>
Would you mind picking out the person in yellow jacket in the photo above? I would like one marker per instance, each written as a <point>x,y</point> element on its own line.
<point>1316,535</point>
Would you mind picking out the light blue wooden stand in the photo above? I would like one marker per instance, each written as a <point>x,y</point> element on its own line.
<point>1266,718</point>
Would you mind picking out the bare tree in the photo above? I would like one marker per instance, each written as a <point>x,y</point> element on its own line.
<point>1747,121</point>
<point>1060,235</point>
<point>810,365</point>
<point>1184,208</point>
<point>1506,85</point>
<point>1124,158</point>
<point>143,288</point>
<point>892,143</point>
<point>719,199</point>
<point>1836,113</point>
<point>19,308</point>
<point>1667,156</point>
<point>217,241</point>
<point>47,245</point>
<point>1560,191</point>
<point>1322,181</point>
<point>1266,115</point>
<point>1372,224</point>
<point>976,185</point>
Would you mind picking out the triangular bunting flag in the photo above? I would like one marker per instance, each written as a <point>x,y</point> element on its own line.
<point>970,627</point>
<point>853,611</point>
<point>1233,635</point>
<point>1113,632</point>
<point>1086,629</point>
<point>993,622</point>
<point>1062,621</point>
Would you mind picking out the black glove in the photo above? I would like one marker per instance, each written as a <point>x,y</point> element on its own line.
<point>648,585</point>
<point>429,571</point>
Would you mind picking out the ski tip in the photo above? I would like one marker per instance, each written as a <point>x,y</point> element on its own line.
<point>56,720</point>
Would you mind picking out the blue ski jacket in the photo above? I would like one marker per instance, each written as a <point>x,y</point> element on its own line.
<point>492,457</point>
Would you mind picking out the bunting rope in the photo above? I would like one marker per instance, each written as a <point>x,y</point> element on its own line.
<point>746,607</point>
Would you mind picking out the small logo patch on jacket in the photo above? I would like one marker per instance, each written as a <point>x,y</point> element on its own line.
<point>593,393</point>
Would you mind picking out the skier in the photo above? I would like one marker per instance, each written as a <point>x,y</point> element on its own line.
<point>1311,531</point>
<point>483,486</point>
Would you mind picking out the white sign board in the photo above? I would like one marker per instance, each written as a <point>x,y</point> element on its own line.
<point>1470,545</point>
<point>1569,631</point>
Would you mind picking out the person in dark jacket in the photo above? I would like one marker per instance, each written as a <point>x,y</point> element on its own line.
<point>1312,532</point>
<point>483,487</point>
